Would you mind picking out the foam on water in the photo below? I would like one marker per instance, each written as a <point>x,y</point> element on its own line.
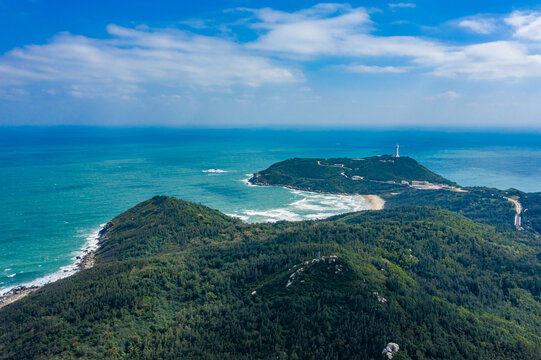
<point>306,206</point>
<point>216,171</point>
<point>90,245</point>
<point>247,182</point>
<point>242,217</point>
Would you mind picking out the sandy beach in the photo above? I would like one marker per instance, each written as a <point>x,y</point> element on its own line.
<point>375,201</point>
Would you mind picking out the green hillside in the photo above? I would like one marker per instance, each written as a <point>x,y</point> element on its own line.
<point>379,174</point>
<point>386,168</point>
<point>383,176</point>
<point>176,280</point>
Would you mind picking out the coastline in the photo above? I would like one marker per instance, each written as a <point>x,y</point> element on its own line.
<point>86,259</point>
<point>83,261</point>
<point>376,202</point>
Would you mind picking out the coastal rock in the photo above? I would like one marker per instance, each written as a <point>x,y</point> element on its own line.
<point>16,294</point>
<point>104,230</point>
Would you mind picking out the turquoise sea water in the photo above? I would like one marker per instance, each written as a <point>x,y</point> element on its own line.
<point>59,184</point>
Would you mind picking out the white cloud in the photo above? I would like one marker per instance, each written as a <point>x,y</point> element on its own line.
<point>338,31</point>
<point>527,24</point>
<point>320,30</point>
<point>269,17</point>
<point>402,5</point>
<point>366,69</point>
<point>479,25</point>
<point>447,95</point>
<point>345,32</point>
<point>134,58</point>
<point>492,60</point>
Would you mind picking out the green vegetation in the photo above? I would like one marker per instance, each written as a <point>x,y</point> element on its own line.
<point>480,204</point>
<point>386,168</point>
<point>174,280</point>
<point>380,174</point>
<point>383,176</point>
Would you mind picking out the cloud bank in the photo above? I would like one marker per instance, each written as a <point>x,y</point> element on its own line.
<point>268,55</point>
<point>132,57</point>
<point>285,42</point>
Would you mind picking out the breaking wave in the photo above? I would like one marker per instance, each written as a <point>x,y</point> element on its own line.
<point>306,206</point>
<point>215,171</point>
<point>90,245</point>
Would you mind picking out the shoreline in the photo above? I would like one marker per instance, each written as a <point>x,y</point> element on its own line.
<point>376,202</point>
<point>82,262</point>
<point>86,259</point>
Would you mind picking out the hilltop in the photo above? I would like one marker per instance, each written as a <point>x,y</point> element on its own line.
<point>374,175</point>
<point>174,279</point>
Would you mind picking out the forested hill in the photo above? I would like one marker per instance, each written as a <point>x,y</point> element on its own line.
<point>392,178</point>
<point>176,280</point>
<point>371,175</point>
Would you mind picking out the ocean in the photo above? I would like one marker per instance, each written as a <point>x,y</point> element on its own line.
<point>59,185</point>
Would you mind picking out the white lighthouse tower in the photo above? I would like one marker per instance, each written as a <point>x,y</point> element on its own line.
<point>397,154</point>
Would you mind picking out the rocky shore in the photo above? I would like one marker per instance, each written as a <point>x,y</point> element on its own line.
<point>84,261</point>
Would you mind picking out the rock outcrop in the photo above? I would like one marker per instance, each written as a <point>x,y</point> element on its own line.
<point>390,349</point>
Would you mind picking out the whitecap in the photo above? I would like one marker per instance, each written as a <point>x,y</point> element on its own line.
<point>272,215</point>
<point>307,206</point>
<point>217,171</point>
<point>247,182</point>
<point>319,216</point>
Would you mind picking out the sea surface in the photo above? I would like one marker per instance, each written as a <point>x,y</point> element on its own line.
<point>58,185</point>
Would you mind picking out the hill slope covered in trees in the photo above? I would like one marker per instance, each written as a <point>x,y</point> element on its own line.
<point>177,280</point>
<point>391,178</point>
<point>371,175</point>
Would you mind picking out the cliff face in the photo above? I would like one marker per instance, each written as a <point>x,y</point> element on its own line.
<point>175,279</point>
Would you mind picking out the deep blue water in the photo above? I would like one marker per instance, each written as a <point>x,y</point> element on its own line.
<point>59,184</point>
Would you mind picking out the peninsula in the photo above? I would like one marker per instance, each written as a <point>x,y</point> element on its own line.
<point>402,181</point>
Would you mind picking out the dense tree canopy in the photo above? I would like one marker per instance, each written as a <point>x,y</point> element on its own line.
<point>176,280</point>
<point>383,176</point>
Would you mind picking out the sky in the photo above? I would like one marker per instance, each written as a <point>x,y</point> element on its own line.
<point>232,63</point>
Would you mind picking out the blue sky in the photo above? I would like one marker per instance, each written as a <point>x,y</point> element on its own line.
<point>271,64</point>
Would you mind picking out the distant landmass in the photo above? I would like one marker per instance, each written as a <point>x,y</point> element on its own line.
<point>442,272</point>
<point>374,175</point>
<point>401,181</point>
